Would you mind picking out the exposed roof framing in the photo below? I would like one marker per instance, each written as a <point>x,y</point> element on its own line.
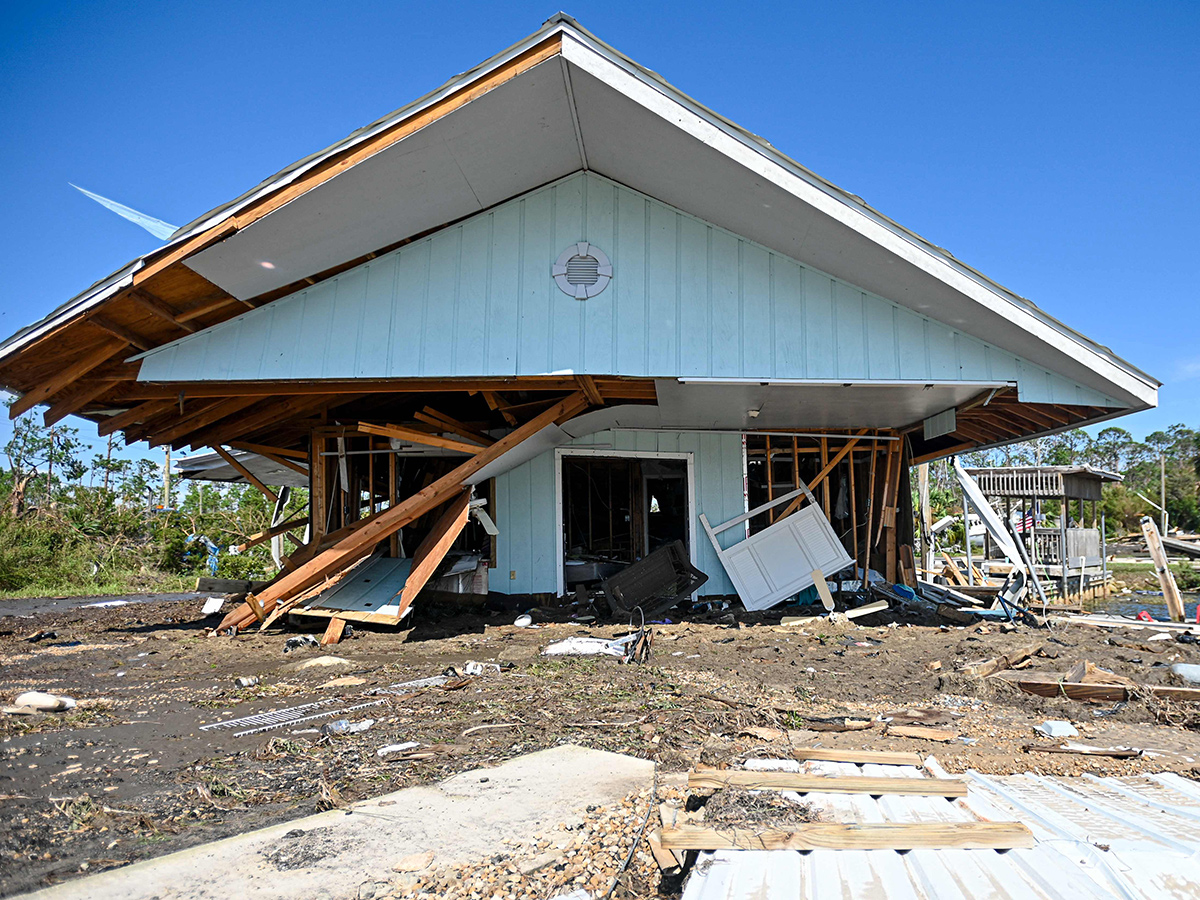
<point>161,296</point>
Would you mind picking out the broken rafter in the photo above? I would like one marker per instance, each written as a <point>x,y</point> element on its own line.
<point>246,473</point>
<point>587,384</point>
<point>65,377</point>
<point>386,523</point>
<point>143,412</point>
<point>75,401</point>
<point>440,420</point>
<point>419,437</point>
<point>434,548</point>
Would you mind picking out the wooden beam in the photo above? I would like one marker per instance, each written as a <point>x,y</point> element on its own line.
<point>848,784</point>
<point>386,523</point>
<point>434,548</point>
<point>160,308</point>
<point>246,473</point>
<point>859,757</point>
<point>258,418</point>
<point>120,331</point>
<point>64,377</point>
<point>268,453</point>
<point>825,470</point>
<point>204,307</point>
<point>201,418</point>
<point>938,454</point>
<point>267,450</point>
<point>418,437</point>
<point>75,401</point>
<point>140,413</point>
<point>531,383</point>
<point>587,384</point>
<point>431,416</point>
<point>255,539</point>
<point>333,633</point>
<point>836,836</point>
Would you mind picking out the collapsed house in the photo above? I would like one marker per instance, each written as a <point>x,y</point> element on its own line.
<point>553,317</point>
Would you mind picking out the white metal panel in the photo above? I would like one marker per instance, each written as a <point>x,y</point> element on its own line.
<point>777,562</point>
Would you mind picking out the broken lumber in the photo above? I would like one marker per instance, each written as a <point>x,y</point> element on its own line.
<point>922,732</point>
<point>1108,693</point>
<point>363,540</point>
<point>851,784</point>
<point>1166,578</point>
<point>860,757</point>
<point>1000,663</point>
<point>837,836</point>
<point>1113,752</point>
<point>434,548</point>
<point>333,632</point>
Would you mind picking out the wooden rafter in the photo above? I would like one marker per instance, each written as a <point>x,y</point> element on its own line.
<point>434,548</point>
<point>431,416</point>
<point>118,330</point>
<point>246,473</point>
<point>160,308</point>
<point>587,384</point>
<point>269,451</point>
<point>75,401</point>
<point>67,376</point>
<point>420,437</point>
<point>258,418</point>
<point>140,413</point>
<point>202,418</point>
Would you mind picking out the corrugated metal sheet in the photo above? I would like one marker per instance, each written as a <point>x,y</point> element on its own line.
<point>1135,837</point>
<point>687,299</point>
<point>526,511</point>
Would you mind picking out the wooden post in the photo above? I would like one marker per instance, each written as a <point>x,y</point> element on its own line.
<point>1166,578</point>
<point>825,486</point>
<point>853,511</point>
<point>394,540</point>
<point>925,523</point>
<point>770,482</point>
<point>870,513</point>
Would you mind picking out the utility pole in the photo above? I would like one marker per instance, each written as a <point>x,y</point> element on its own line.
<point>1162,471</point>
<point>108,463</point>
<point>167,478</point>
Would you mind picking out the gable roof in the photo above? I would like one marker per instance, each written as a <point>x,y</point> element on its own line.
<point>578,103</point>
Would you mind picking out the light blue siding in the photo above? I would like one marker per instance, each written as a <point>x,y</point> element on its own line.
<point>687,299</point>
<point>526,507</point>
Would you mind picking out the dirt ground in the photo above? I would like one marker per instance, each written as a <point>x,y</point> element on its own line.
<point>128,774</point>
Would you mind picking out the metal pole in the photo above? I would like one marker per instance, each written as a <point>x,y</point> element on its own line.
<point>1162,471</point>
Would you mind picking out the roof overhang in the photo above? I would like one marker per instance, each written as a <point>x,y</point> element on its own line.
<point>560,101</point>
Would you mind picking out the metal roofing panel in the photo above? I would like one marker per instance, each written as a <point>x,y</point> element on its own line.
<point>1134,837</point>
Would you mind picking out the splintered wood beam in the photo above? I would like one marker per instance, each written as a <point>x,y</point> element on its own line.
<point>434,548</point>
<point>848,784</point>
<point>836,836</point>
<point>75,402</point>
<point>201,419</point>
<point>269,453</point>
<point>141,413</point>
<point>72,373</point>
<point>418,437</point>
<point>246,473</point>
<point>117,330</point>
<point>266,450</point>
<point>824,473</point>
<point>495,402</point>
<point>255,539</point>
<point>587,384</point>
<point>160,308</point>
<point>431,416</point>
<point>386,523</point>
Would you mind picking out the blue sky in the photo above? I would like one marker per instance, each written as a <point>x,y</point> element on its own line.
<point>1050,145</point>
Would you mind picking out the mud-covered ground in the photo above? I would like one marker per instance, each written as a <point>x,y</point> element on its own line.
<point>128,773</point>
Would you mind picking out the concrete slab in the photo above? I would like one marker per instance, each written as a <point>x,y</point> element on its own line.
<point>333,854</point>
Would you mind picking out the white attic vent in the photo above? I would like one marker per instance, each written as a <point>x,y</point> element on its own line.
<point>582,271</point>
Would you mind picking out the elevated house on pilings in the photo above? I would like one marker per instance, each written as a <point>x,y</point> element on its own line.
<point>559,285</point>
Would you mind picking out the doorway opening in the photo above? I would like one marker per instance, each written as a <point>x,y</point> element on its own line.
<point>616,510</point>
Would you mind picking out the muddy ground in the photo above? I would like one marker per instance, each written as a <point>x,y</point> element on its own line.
<point>128,774</point>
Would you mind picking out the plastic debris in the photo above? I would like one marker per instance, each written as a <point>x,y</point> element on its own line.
<point>345,726</point>
<point>396,748</point>
<point>1056,729</point>
<point>247,681</point>
<point>1189,672</point>
<point>525,621</point>
<point>299,641</point>
<point>40,701</point>
<point>212,606</point>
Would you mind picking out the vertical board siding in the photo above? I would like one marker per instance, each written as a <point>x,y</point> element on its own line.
<point>686,299</point>
<point>526,509</point>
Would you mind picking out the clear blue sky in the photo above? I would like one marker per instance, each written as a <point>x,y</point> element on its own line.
<point>1052,145</point>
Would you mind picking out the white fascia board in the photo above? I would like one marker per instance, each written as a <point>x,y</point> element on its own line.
<point>625,77</point>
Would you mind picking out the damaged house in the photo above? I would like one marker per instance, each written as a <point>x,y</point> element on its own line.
<point>549,319</point>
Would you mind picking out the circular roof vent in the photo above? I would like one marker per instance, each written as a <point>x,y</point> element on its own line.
<point>582,271</point>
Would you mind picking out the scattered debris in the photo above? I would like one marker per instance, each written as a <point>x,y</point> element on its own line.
<point>415,862</point>
<point>299,642</point>
<point>40,701</point>
<point>1084,750</point>
<point>1056,728</point>
<point>246,681</point>
<point>391,749</point>
<point>345,726</point>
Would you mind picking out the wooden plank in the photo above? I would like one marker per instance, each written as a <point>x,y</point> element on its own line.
<point>431,416</point>
<point>207,585</point>
<point>922,732</point>
<point>159,307</point>
<point>201,418</point>
<point>952,571</point>
<point>246,473</point>
<point>866,566</point>
<point>140,413</point>
<point>1113,752</point>
<point>266,450</point>
<point>434,548</point>
<point>825,470</point>
<point>418,437</point>
<point>938,454</point>
<point>825,493</point>
<point>333,633</point>
<point>587,384</point>
<point>1166,578</point>
<point>255,539</point>
<point>75,402</point>
<point>859,757</point>
<point>391,520</point>
<point>822,587</point>
<point>1102,692</point>
<point>849,784</point>
<point>116,329</point>
<point>66,376</point>
<point>836,836</point>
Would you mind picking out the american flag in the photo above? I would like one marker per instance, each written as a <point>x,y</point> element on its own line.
<point>1025,523</point>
